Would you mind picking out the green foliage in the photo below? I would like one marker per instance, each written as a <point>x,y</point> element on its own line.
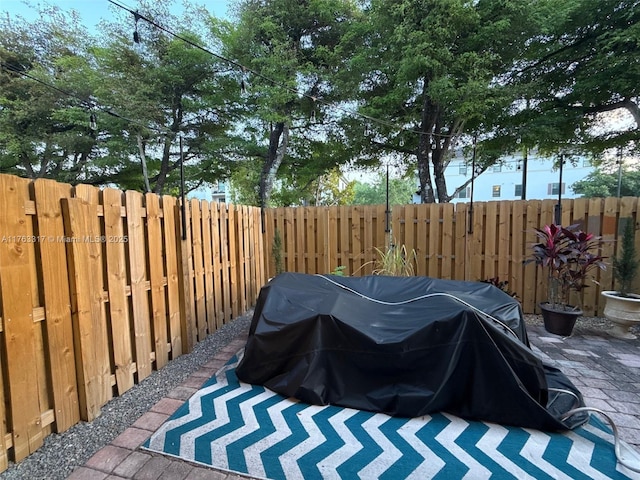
<point>395,261</point>
<point>339,271</point>
<point>582,64</point>
<point>625,265</point>
<point>599,184</point>
<point>401,191</point>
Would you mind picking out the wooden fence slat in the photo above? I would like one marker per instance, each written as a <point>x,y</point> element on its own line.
<point>447,229</point>
<point>242,255</point>
<point>198,270</point>
<point>333,243</point>
<point>516,273</point>
<point>19,328</point>
<point>187,304</point>
<point>217,265</point>
<point>138,272</point>
<point>55,287</point>
<point>92,338</point>
<point>233,259</point>
<point>224,252</point>
<point>299,239</point>
<point>157,279</point>
<point>172,259</point>
<point>460,244</point>
<point>207,258</point>
<point>117,286</point>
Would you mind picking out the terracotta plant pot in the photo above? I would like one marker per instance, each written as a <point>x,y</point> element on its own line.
<point>623,312</point>
<point>559,321</point>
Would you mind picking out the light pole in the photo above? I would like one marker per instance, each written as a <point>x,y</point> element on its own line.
<point>619,170</point>
<point>558,208</point>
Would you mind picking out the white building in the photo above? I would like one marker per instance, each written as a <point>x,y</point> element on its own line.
<point>505,181</point>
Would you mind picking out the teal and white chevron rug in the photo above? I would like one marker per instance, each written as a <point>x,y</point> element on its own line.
<point>247,429</point>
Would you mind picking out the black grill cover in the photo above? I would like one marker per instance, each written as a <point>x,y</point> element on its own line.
<point>405,346</point>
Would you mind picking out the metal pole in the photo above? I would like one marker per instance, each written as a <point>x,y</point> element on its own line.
<point>525,157</point>
<point>473,177</point>
<point>183,207</point>
<point>619,171</point>
<point>558,209</point>
<point>387,228</point>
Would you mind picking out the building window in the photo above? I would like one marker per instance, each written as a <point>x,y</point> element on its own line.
<point>462,169</point>
<point>497,168</point>
<point>554,188</point>
<point>518,191</point>
<point>464,193</point>
<point>495,191</point>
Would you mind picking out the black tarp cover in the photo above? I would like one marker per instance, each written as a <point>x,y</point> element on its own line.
<point>405,346</point>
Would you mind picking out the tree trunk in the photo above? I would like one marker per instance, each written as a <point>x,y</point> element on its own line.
<point>278,140</point>
<point>143,160</point>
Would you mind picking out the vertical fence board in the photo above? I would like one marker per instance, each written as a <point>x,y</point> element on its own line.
<point>447,230</point>
<point>533,277</point>
<point>516,273</point>
<point>224,258</point>
<point>207,258</point>
<point>233,263</point>
<point>491,245</point>
<point>460,244</point>
<point>243,254</point>
<point>504,250</point>
<point>356,238</point>
<point>217,269</point>
<point>310,245</point>
<point>55,286</point>
<point>117,286</point>
<point>322,240</point>
<point>138,273</point>
<point>188,330</point>
<point>333,241</point>
<point>91,335</point>
<point>18,326</point>
<point>157,279</point>
<point>198,271</point>
<point>172,260</point>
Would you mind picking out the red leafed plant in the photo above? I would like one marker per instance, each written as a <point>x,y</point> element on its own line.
<point>569,255</point>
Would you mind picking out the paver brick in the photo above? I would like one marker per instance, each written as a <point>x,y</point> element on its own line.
<point>132,438</point>
<point>151,421</point>
<point>107,458</point>
<point>130,466</point>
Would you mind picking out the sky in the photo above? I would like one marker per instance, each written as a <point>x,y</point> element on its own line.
<point>92,11</point>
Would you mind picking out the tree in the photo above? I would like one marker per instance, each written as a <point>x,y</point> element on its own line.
<point>401,191</point>
<point>174,88</point>
<point>289,51</point>
<point>599,184</point>
<point>583,64</point>
<point>427,70</point>
<point>45,98</point>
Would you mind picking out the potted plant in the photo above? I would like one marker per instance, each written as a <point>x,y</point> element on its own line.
<point>622,307</point>
<point>569,255</point>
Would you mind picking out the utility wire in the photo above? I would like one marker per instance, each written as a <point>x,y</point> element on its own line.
<point>88,103</point>
<point>137,15</point>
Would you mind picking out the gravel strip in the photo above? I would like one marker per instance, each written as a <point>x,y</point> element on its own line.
<point>61,453</point>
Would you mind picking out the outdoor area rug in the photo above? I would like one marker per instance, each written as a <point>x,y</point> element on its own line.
<point>248,429</point>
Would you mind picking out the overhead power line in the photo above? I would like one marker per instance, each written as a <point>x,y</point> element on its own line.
<point>244,69</point>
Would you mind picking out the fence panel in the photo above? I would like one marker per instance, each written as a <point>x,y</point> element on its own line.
<point>117,289</point>
<point>461,241</point>
<point>97,288</point>
<point>19,329</point>
<point>88,310</point>
<point>55,289</point>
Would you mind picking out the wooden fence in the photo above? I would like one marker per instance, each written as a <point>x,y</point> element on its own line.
<point>448,240</point>
<point>97,289</point>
